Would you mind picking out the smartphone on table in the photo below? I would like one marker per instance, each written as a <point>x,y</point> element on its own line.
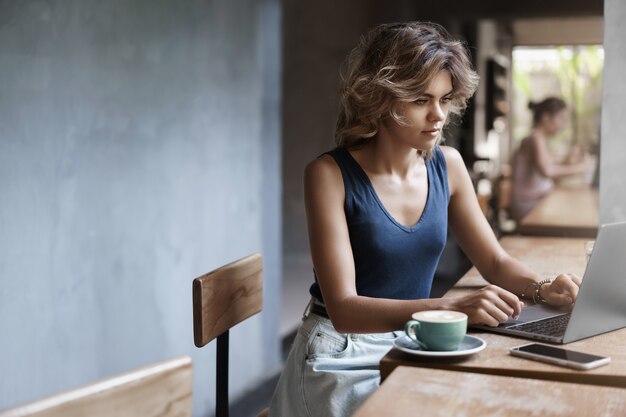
<point>559,356</point>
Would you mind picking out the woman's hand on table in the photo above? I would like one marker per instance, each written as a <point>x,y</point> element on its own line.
<point>563,290</point>
<point>491,305</point>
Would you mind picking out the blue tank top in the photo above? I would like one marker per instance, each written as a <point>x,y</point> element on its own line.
<point>392,260</point>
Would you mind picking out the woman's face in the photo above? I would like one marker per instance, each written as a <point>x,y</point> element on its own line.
<point>425,116</point>
<point>553,124</point>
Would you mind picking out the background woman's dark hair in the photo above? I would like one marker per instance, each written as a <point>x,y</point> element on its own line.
<point>549,106</point>
<point>395,63</point>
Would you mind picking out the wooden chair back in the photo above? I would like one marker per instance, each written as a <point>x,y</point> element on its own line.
<point>221,299</point>
<point>226,296</point>
<point>162,389</point>
<point>504,189</point>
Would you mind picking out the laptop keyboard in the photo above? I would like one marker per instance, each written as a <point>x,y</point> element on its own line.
<point>554,326</point>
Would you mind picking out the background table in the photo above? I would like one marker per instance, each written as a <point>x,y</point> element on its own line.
<point>570,212</point>
<point>429,392</point>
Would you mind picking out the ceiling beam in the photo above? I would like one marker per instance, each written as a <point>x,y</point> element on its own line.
<point>506,9</point>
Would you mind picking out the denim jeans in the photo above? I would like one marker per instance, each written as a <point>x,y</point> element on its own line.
<point>329,374</point>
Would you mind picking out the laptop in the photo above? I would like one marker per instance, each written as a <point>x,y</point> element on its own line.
<point>601,303</point>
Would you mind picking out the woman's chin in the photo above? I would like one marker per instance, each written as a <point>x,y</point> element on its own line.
<point>426,146</point>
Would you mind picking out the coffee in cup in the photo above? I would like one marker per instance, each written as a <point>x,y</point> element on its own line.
<point>437,329</point>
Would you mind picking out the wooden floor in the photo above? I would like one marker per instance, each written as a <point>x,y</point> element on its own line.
<point>255,400</point>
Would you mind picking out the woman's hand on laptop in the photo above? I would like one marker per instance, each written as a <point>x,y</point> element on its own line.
<point>563,290</point>
<point>491,305</point>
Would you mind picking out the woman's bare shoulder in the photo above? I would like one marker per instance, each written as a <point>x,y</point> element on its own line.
<point>323,173</point>
<point>454,159</point>
<point>456,168</point>
<point>322,168</point>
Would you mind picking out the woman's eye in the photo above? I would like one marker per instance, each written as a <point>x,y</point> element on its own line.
<point>446,100</point>
<point>420,101</point>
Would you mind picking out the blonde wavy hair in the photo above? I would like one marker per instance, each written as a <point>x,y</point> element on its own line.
<point>395,63</point>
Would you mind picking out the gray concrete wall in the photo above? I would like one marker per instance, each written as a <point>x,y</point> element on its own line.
<point>613,150</point>
<point>135,155</point>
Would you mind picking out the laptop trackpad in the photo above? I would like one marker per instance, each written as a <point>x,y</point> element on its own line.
<point>537,312</point>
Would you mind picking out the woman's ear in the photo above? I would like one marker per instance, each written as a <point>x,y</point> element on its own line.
<point>396,113</point>
<point>397,107</point>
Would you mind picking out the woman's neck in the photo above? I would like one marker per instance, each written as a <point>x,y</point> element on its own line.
<point>539,132</point>
<point>384,157</point>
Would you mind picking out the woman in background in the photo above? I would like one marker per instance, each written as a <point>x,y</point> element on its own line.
<point>534,169</point>
<point>378,209</point>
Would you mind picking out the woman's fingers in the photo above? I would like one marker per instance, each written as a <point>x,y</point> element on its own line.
<point>512,300</point>
<point>491,306</point>
<point>577,280</point>
<point>483,317</point>
<point>506,301</point>
<point>564,289</point>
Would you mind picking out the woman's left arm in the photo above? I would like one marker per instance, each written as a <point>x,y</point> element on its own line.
<point>479,243</point>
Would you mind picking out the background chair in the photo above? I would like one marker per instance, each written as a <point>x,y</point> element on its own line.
<point>163,389</point>
<point>501,202</point>
<point>221,299</point>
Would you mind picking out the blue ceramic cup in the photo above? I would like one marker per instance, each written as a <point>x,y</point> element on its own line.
<point>441,330</point>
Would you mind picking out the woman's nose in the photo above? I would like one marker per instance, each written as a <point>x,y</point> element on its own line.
<point>436,113</point>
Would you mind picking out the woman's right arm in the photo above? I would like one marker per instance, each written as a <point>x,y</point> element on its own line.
<point>548,167</point>
<point>333,260</point>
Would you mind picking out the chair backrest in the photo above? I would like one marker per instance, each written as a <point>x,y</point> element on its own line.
<point>504,185</point>
<point>221,299</point>
<point>161,389</point>
<point>226,296</point>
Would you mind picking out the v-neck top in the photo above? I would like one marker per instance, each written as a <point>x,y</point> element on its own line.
<point>392,260</point>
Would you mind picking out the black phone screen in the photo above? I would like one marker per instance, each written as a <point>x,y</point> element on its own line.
<point>559,353</point>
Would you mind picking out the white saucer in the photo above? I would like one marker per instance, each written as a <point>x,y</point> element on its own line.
<point>468,346</point>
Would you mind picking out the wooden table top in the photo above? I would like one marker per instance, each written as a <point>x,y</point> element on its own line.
<point>569,212</point>
<point>417,391</point>
<point>496,360</point>
<point>546,256</point>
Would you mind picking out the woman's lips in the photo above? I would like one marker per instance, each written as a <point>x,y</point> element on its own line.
<point>433,133</point>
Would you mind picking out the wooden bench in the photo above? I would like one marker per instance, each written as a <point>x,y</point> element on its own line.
<point>163,389</point>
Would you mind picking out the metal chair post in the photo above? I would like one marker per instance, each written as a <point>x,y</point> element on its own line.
<point>221,378</point>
